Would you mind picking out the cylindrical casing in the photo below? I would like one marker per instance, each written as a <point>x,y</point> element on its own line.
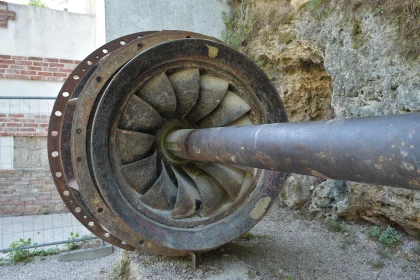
<point>379,150</point>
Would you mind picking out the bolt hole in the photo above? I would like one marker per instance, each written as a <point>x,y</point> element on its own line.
<point>77,209</point>
<point>58,174</point>
<point>65,94</point>
<point>141,241</point>
<point>123,243</point>
<point>79,130</point>
<point>122,42</point>
<point>84,217</point>
<point>105,50</point>
<point>100,210</point>
<point>58,113</point>
<point>91,224</point>
<point>76,77</point>
<point>54,154</point>
<point>197,204</point>
<point>139,46</point>
<point>89,62</point>
<point>98,79</point>
<point>107,235</point>
<point>140,36</point>
<point>83,69</point>
<point>188,37</point>
<point>79,159</point>
<point>54,133</point>
<point>66,193</point>
<point>97,56</point>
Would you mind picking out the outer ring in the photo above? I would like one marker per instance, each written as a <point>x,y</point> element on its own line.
<point>244,217</point>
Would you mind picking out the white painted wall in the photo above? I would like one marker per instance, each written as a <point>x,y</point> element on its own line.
<point>48,33</point>
<point>129,16</point>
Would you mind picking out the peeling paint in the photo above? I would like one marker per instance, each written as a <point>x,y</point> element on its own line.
<point>260,208</point>
<point>213,51</point>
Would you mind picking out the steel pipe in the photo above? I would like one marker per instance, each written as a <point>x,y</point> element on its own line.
<point>379,150</point>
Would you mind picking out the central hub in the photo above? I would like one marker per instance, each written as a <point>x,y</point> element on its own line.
<point>167,128</point>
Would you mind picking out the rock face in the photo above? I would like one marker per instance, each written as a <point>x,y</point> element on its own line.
<point>338,59</point>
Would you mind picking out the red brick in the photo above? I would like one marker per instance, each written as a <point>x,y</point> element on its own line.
<point>4,66</point>
<point>7,61</point>
<point>27,120</point>
<point>39,134</point>
<point>36,63</point>
<point>59,74</point>
<point>51,59</point>
<point>26,134</point>
<point>44,74</point>
<point>3,56</point>
<point>43,125</point>
<point>12,129</point>
<point>2,71</point>
<point>37,68</point>
<point>35,58</point>
<point>6,134</point>
<point>27,72</point>
<point>37,78</point>
<point>3,119</point>
<point>56,65</point>
<point>66,61</point>
<point>77,61</point>
<point>23,62</point>
<point>30,125</point>
<point>16,115</point>
<point>14,125</point>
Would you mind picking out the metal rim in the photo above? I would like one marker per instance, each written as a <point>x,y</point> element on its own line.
<point>90,179</point>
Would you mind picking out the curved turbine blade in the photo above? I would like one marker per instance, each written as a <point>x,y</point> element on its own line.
<point>243,121</point>
<point>188,197</point>
<point>211,193</point>
<point>212,91</point>
<point>162,194</point>
<point>140,116</point>
<point>133,146</point>
<point>141,175</point>
<point>230,109</point>
<point>186,85</point>
<point>230,178</point>
<point>160,95</point>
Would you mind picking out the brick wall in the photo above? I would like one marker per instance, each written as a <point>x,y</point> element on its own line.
<point>28,191</point>
<point>5,14</point>
<point>23,125</point>
<point>36,68</point>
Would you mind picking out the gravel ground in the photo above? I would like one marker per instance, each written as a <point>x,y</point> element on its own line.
<point>282,246</point>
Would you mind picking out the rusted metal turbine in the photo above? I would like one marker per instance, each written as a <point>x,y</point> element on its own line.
<point>172,142</point>
<point>107,147</point>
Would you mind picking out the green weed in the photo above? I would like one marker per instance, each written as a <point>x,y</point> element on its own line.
<point>72,245</point>
<point>335,226</point>
<point>390,237</point>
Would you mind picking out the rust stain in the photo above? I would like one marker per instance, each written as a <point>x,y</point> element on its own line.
<point>260,208</point>
<point>317,174</point>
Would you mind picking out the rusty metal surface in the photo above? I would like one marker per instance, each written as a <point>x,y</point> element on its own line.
<point>380,150</point>
<point>109,167</point>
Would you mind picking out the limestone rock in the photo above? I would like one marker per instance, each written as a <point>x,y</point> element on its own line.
<point>329,196</point>
<point>381,205</point>
<point>297,190</point>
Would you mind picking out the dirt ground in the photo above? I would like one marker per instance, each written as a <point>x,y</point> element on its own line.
<point>285,245</point>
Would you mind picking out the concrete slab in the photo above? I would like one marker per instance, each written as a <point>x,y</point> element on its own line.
<point>86,254</point>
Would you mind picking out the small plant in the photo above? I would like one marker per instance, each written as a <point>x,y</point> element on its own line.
<point>237,29</point>
<point>374,232</point>
<point>120,270</point>
<point>390,237</point>
<point>20,254</point>
<point>37,3</point>
<point>416,250</point>
<point>335,226</point>
<point>248,236</point>
<point>72,245</point>
<point>383,254</point>
<point>377,264</point>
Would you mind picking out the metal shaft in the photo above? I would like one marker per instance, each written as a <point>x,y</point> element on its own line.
<point>379,150</point>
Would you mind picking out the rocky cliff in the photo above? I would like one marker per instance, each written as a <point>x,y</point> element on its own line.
<point>338,59</point>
